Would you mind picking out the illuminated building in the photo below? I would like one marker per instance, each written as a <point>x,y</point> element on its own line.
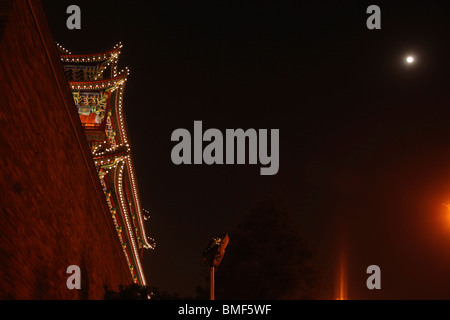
<point>98,91</point>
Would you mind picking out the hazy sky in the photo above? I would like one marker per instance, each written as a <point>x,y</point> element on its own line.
<point>364,137</point>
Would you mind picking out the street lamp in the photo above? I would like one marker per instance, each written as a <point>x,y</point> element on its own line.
<point>212,257</point>
<point>447,205</point>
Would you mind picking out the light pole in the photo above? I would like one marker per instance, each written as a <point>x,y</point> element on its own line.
<point>212,256</point>
<point>211,282</point>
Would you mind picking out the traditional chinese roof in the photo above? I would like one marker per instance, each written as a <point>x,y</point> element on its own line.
<point>100,106</point>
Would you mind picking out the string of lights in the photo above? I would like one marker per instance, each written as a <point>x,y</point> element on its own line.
<point>112,156</point>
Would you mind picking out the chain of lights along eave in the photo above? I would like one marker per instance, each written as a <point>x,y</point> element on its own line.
<point>63,49</point>
<point>108,160</point>
<point>127,221</point>
<point>113,212</point>
<point>114,53</point>
<point>112,58</point>
<point>119,230</point>
<point>101,84</point>
<point>147,245</point>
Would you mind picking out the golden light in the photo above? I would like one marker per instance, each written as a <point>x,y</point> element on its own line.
<point>342,281</point>
<point>447,205</point>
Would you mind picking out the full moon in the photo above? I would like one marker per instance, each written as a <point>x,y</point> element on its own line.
<point>410,59</point>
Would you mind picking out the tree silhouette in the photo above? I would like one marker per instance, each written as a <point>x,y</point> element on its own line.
<point>138,292</point>
<point>267,258</point>
<point>130,292</point>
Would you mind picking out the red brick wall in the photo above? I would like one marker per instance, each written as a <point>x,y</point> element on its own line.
<point>52,210</point>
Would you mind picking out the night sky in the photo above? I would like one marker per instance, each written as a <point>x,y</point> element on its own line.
<point>364,137</point>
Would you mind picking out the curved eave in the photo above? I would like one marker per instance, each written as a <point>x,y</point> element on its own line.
<point>119,186</point>
<point>100,84</point>
<point>96,57</point>
<point>139,214</point>
<point>123,132</point>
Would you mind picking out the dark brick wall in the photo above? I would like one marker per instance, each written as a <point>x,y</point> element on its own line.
<point>52,210</point>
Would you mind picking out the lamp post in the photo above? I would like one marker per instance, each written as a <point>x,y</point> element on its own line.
<point>211,282</point>
<point>212,257</point>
